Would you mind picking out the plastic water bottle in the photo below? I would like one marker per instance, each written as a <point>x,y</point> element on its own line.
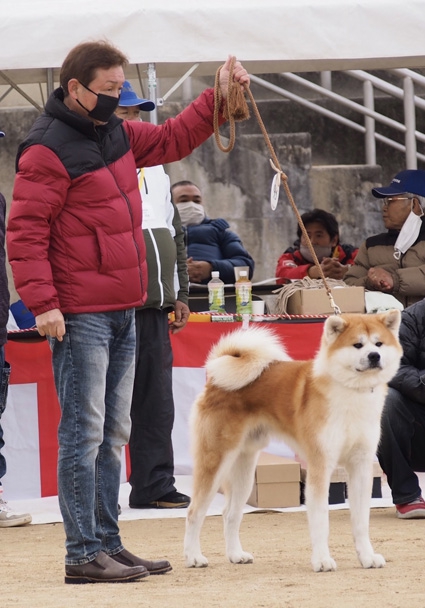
<point>243,287</point>
<point>216,292</point>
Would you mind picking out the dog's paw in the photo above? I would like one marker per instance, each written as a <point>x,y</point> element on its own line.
<point>323,565</point>
<point>241,558</point>
<point>373,560</point>
<point>196,561</point>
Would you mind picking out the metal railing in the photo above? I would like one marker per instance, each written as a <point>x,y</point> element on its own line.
<point>371,83</point>
<point>411,102</point>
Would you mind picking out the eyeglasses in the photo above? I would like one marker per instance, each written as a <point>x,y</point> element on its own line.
<point>389,200</point>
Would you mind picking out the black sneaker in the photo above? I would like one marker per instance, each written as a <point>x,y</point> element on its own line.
<point>172,500</point>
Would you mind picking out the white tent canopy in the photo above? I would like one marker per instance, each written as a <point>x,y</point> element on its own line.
<point>266,35</point>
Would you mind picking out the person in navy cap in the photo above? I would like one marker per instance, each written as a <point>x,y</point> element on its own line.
<point>394,262</point>
<point>152,408</point>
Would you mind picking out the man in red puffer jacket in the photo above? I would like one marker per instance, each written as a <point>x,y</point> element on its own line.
<point>78,258</point>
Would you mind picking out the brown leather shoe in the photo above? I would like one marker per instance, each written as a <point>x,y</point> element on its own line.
<point>128,559</point>
<point>103,569</point>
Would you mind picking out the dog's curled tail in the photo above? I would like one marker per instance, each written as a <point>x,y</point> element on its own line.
<point>240,357</point>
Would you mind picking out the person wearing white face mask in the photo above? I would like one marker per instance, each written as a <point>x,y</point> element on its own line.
<point>191,213</point>
<point>394,262</point>
<point>210,244</point>
<point>323,231</point>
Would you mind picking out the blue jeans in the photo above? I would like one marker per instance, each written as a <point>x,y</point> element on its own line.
<point>4,385</point>
<point>94,372</point>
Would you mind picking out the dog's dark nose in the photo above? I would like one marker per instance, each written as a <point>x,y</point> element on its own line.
<point>374,359</point>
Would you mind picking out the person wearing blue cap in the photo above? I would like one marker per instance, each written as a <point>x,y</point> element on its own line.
<point>394,262</point>
<point>78,259</point>
<point>129,99</point>
<point>152,407</point>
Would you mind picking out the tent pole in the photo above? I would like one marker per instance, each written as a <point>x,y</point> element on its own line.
<point>50,81</point>
<point>153,93</point>
<point>410,122</point>
<point>369,123</point>
<point>183,79</point>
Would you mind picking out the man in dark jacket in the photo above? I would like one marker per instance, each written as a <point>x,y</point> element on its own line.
<point>210,244</point>
<point>401,450</point>
<point>78,258</point>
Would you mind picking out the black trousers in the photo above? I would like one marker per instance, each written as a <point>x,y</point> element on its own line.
<point>152,410</point>
<point>401,450</point>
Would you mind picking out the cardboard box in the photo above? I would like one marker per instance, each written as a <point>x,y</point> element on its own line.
<point>338,485</point>
<point>277,483</point>
<point>316,301</point>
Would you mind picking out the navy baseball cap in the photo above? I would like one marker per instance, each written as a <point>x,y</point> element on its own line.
<point>411,180</point>
<point>129,98</point>
<point>2,133</point>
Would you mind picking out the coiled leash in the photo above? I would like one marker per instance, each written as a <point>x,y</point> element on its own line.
<point>236,110</point>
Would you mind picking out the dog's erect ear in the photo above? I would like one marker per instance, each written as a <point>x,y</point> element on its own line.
<point>334,326</point>
<point>392,319</point>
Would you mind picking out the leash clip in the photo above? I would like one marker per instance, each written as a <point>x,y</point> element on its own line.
<point>275,189</point>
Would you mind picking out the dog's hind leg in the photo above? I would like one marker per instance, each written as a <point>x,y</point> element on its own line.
<point>205,486</point>
<point>360,473</point>
<point>317,498</point>
<point>238,486</point>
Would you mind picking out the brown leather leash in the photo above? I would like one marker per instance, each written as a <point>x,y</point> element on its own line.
<point>235,109</point>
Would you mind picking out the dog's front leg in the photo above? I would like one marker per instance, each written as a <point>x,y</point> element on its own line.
<point>360,474</point>
<point>317,496</point>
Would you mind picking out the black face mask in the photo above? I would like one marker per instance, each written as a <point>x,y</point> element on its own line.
<point>104,108</point>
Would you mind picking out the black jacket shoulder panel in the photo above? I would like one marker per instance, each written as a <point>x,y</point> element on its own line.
<point>385,239</point>
<point>64,132</point>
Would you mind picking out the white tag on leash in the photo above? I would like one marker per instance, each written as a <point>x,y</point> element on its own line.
<point>274,194</point>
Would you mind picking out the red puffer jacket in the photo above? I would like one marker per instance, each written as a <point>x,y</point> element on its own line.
<point>74,233</point>
<point>291,264</point>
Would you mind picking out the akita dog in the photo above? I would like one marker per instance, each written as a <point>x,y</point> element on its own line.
<point>327,409</point>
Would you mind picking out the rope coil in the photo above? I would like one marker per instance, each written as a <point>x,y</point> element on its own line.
<point>235,107</point>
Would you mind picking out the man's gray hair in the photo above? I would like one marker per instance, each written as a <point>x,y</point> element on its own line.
<point>421,199</point>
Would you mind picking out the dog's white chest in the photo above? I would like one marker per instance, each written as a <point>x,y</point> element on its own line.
<point>354,418</point>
